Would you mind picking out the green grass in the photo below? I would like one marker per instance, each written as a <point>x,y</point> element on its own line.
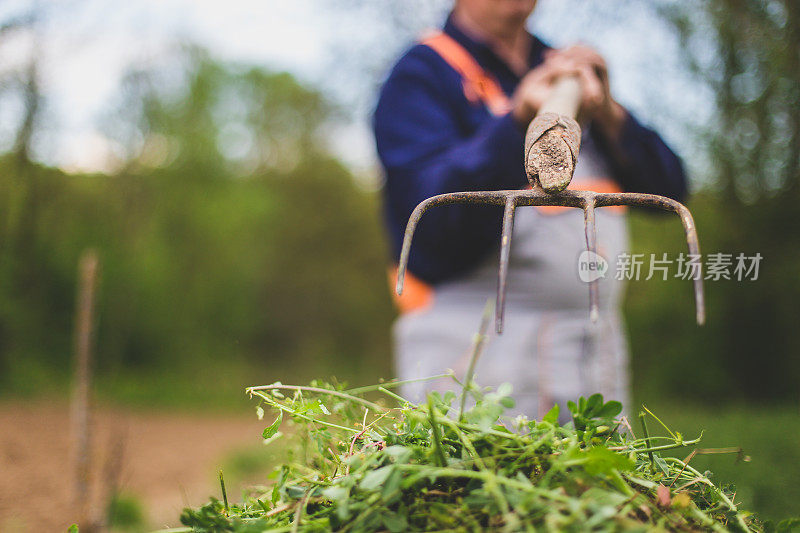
<point>769,435</point>
<point>204,385</point>
<point>364,466</point>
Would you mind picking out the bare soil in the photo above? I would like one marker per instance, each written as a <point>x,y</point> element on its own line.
<point>169,461</point>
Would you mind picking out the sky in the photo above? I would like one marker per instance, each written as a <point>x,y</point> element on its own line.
<point>87,46</point>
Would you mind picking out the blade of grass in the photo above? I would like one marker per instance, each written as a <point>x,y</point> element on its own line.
<point>437,436</point>
<point>224,492</point>
<point>647,439</point>
<point>477,348</point>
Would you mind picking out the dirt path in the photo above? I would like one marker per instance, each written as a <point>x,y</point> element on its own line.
<point>169,461</point>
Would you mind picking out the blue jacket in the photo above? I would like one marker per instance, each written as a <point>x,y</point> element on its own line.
<point>431,140</point>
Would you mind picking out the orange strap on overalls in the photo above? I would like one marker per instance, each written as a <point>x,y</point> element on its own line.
<point>479,86</point>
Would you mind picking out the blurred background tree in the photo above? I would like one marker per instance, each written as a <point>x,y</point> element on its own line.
<point>231,240</point>
<point>747,54</point>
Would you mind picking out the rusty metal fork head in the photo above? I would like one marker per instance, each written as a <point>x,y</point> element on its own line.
<point>536,196</point>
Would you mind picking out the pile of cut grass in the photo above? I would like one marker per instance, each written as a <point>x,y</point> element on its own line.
<point>388,464</point>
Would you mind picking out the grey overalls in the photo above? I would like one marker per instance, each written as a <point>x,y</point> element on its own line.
<point>550,352</point>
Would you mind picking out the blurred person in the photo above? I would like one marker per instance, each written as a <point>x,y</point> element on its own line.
<point>452,117</point>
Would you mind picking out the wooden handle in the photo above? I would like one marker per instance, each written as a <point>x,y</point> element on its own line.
<point>564,98</point>
<point>553,138</point>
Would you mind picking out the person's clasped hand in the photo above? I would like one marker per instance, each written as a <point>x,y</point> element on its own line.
<point>590,68</point>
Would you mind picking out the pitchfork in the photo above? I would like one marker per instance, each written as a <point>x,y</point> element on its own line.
<point>552,143</point>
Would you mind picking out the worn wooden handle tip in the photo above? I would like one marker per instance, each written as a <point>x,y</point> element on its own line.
<point>551,151</point>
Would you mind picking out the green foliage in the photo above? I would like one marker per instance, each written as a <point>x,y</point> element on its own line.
<point>746,349</point>
<point>229,236</point>
<point>745,54</point>
<point>365,465</point>
<point>272,430</point>
<point>767,483</point>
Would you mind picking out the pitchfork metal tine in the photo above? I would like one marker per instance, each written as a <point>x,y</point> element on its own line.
<point>591,244</point>
<point>505,253</point>
<point>694,248</point>
<point>413,220</point>
<point>473,197</point>
<point>667,204</point>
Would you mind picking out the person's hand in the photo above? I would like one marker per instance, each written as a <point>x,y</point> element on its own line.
<point>534,88</point>
<point>590,68</point>
<point>597,103</point>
